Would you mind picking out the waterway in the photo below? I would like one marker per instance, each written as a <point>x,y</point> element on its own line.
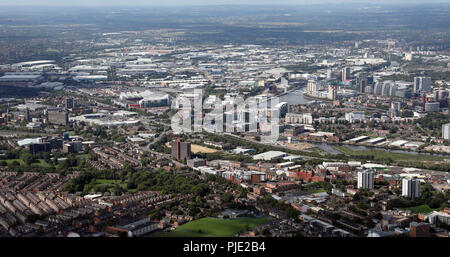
<point>329,149</point>
<point>295,97</point>
<point>364,148</point>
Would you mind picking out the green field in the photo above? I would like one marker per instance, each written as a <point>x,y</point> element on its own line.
<point>424,209</point>
<point>316,190</point>
<point>39,162</point>
<point>391,155</point>
<point>42,163</point>
<point>84,156</point>
<point>214,227</point>
<point>10,161</point>
<point>111,182</point>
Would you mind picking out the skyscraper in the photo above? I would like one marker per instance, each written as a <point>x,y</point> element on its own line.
<point>446,131</point>
<point>394,110</point>
<point>365,179</point>
<point>27,115</point>
<point>345,74</point>
<point>311,86</point>
<point>378,88</point>
<point>332,93</point>
<point>181,150</point>
<point>386,88</point>
<point>329,74</point>
<point>363,83</point>
<point>70,103</point>
<point>422,84</point>
<point>58,117</point>
<point>411,188</point>
<point>393,90</point>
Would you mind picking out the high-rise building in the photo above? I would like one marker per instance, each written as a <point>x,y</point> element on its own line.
<point>70,103</point>
<point>378,88</point>
<point>329,74</point>
<point>365,180</point>
<point>311,86</point>
<point>446,131</point>
<point>422,84</point>
<point>393,90</point>
<point>58,117</point>
<point>345,74</point>
<point>411,188</point>
<point>386,88</point>
<point>181,150</point>
<point>332,93</point>
<point>419,229</point>
<point>363,83</point>
<point>27,115</point>
<point>394,110</point>
<point>443,96</point>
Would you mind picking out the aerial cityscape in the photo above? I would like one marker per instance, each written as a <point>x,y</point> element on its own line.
<point>259,121</point>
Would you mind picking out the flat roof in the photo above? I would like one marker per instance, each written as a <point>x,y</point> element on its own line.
<point>359,138</point>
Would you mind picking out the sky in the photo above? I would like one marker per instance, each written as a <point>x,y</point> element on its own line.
<point>191,2</point>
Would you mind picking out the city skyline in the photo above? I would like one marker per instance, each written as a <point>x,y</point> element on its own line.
<point>134,119</point>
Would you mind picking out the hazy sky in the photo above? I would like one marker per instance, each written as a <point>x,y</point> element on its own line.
<point>191,2</point>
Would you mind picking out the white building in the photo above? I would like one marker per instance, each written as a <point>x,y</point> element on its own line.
<point>312,86</point>
<point>355,116</point>
<point>332,93</point>
<point>395,109</point>
<point>299,118</point>
<point>446,131</point>
<point>365,180</point>
<point>411,188</point>
<point>270,155</point>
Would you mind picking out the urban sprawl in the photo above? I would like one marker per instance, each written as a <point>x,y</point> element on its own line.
<point>363,146</point>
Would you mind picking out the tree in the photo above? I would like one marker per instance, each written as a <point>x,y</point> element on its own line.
<point>227,197</point>
<point>27,158</point>
<point>122,234</point>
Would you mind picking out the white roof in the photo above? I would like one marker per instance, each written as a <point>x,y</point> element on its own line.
<point>29,141</point>
<point>269,155</point>
<point>93,196</point>
<point>376,140</point>
<point>373,165</point>
<point>399,143</point>
<point>359,138</point>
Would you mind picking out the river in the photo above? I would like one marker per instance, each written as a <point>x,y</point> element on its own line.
<point>295,97</point>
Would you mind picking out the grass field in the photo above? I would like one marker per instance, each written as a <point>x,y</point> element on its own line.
<point>42,163</point>
<point>391,155</point>
<point>315,191</point>
<point>198,149</point>
<point>10,161</point>
<point>214,227</point>
<point>111,182</point>
<point>39,162</point>
<point>424,209</point>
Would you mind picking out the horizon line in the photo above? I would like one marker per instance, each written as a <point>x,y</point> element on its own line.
<point>230,4</point>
